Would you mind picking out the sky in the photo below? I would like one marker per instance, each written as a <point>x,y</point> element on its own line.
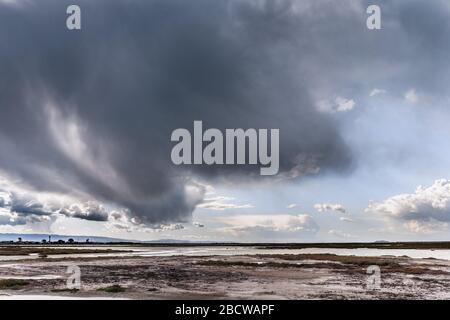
<point>86,118</point>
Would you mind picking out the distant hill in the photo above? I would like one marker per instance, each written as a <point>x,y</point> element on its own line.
<point>37,237</point>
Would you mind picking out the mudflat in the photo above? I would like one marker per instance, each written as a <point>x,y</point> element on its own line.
<point>265,276</point>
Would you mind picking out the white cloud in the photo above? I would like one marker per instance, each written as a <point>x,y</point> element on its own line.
<point>377,91</point>
<point>344,105</point>
<point>198,224</point>
<point>425,227</point>
<point>169,227</point>
<point>5,199</point>
<point>338,105</point>
<point>345,219</point>
<point>292,205</point>
<point>411,96</point>
<point>260,226</point>
<point>340,234</point>
<point>324,207</point>
<point>427,209</point>
<point>221,203</point>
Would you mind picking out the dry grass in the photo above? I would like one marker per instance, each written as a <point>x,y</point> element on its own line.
<point>13,284</point>
<point>113,289</point>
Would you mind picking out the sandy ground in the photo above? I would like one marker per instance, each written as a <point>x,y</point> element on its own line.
<point>315,276</point>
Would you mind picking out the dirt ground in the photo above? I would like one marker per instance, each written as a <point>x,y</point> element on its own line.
<point>317,276</point>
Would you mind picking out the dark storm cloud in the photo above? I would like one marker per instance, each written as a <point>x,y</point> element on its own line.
<point>410,51</point>
<point>91,112</point>
<point>27,206</point>
<point>89,211</point>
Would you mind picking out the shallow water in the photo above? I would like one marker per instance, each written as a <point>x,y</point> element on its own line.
<point>228,251</point>
<point>363,252</point>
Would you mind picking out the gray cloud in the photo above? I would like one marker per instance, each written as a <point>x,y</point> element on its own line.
<point>21,205</point>
<point>8,219</point>
<point>20,210</point>
<point>90,113</point>
<point>26,206</point>
<point>88,211</point>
